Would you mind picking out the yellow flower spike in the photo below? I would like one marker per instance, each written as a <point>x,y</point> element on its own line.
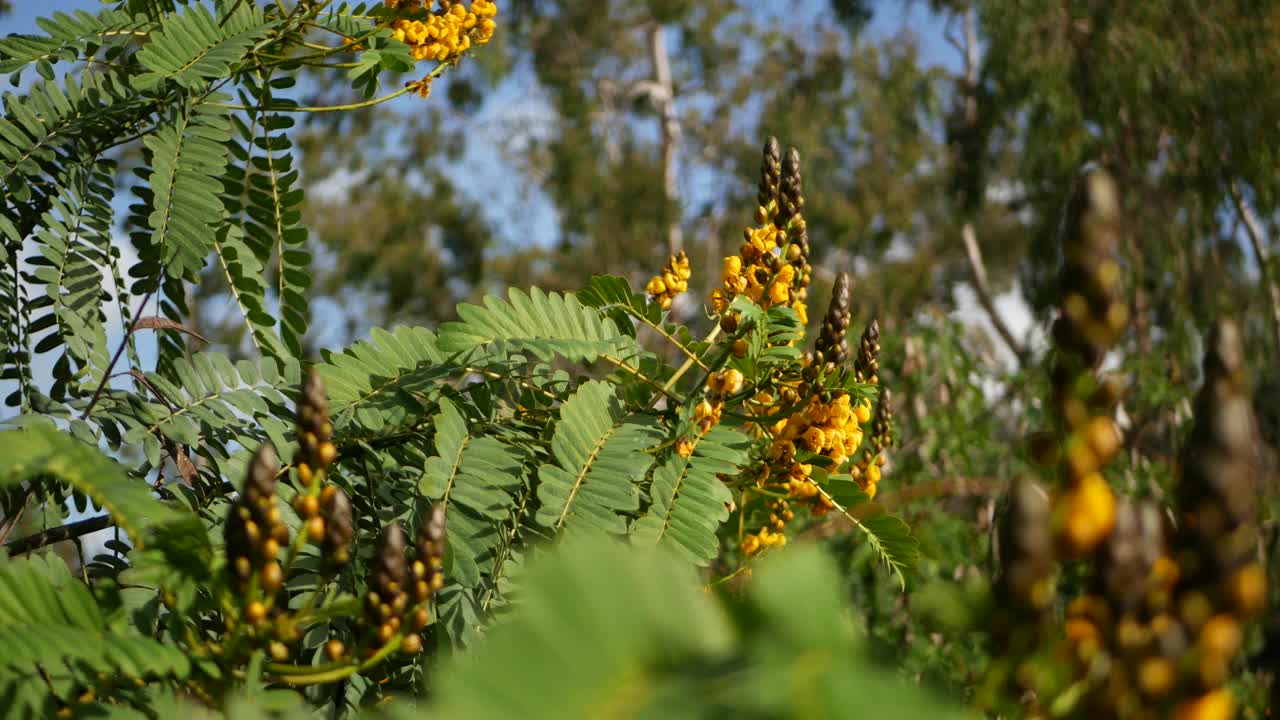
<point>714,382</point>
<point>1247,589</point>
<point>671,281</point>
<point>854,440</point>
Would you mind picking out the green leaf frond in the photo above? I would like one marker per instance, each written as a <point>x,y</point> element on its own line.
<point>542,324</point>
<point>383,382</point>
<point>601,455</point>
<point>55,641</point>
<point>71,37</point>
<point>689,501</point>
<point>193,47</point>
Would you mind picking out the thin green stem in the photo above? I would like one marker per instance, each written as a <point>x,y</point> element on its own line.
<point>720,581</point>
<point>326,590</point>
<point>522,382</point>
<point>319,675</point>
<point>623,366</point>
<point>323,108</point>
<point>711,338</point>
<point>656,327</point>
<point>902,580</point>
<point>665,390</point>
<point>254,673</point>
<point>326,50</point>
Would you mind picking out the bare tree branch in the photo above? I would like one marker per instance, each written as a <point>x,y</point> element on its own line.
<point>70,531</point>
<point>662,94</point>
<point>1261,254</point>
<point>982,285</point>
<point>971,61</point>
<point>983,288</point>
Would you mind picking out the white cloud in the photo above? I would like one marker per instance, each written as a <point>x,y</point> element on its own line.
<point>1013,310</point>
<point>1017,316</point>
<point>337,185</point>
<point>900,249</point>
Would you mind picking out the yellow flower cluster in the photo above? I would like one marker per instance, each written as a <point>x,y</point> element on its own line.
<point>664,287</point>
<point>832,429</point>
<point>759,273</point>
<point>763,539</point>
<point>448,33</point>
<point>772,269</point>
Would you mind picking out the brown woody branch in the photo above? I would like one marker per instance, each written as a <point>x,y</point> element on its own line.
<point>70,531</point>
<point>1261,254</point>
<point>985,297</point>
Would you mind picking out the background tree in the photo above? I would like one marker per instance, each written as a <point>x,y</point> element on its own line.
<point>942,141</point>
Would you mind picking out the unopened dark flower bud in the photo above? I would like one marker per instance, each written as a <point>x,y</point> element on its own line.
<point>387,582</point>
<point>339,526</point>
<point>832,344</point>
<point>866,367</point>
<point>1026,551</point>
<point>316,451</point>
<point>770,174</point>
<point>428,571</point>
<point>791,189</point>
<point>254,531</point>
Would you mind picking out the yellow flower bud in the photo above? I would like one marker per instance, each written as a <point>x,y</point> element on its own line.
<point>733,381</point>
